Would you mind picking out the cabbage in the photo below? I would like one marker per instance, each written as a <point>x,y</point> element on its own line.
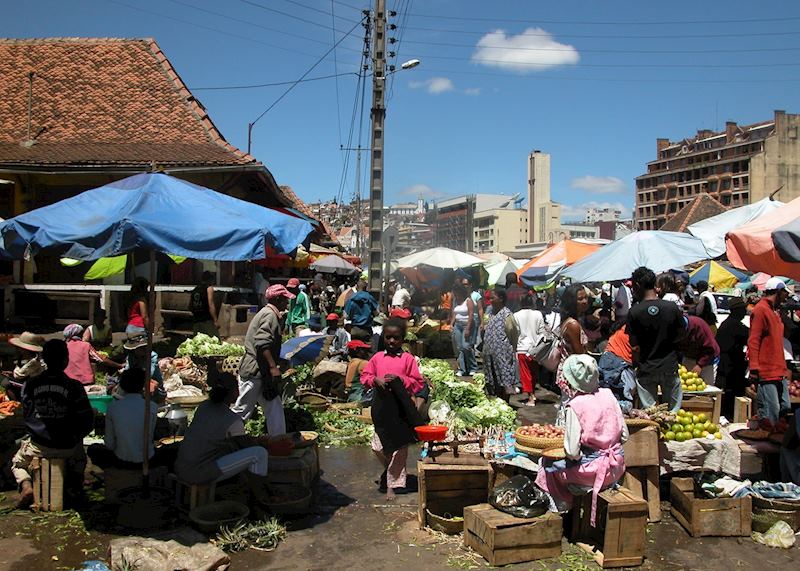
<point>202,345</point>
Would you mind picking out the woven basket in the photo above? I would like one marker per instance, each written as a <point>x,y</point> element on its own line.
<point>231,365</point>
<point>536,442</point>
<point>529,451</point>
<point>555,453</point>
<point>767,511</point>
<point>443,524</point>
<point>345,406</point>
<point>640,422</point>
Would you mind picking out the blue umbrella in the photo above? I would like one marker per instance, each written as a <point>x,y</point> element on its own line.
<point>308,349</point>
<point>155,212</point>
<point>655,249</point>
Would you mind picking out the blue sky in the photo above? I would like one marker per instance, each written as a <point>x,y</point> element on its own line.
<point>594,83</point>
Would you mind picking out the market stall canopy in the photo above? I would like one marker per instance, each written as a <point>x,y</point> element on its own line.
<point>718,275</point>
<point>497,271</point>
<point>751,247</point>
<point>156,212</point>
<point>333,264</point>
<point>712,230</point>
<point>542,269</point>
<point>444,258</point>
<point>655,249</point>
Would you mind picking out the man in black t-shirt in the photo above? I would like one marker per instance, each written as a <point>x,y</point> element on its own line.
<point>655,328</point>
<point>57,416</point>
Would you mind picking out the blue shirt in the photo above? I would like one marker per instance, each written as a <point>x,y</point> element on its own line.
<point>360,308</point>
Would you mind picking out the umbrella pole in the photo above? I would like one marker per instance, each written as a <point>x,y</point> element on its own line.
<point>151,305</point>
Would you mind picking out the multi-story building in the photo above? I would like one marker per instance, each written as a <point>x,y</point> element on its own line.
<point>454,218</point>
<point>413,236</point>
<point>499,229</point>
<point>544,215</point>
<point>737,166</point>
<point>408,208</point>
<point>594,215</point>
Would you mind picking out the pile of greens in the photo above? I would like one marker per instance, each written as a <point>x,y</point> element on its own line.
<point>264,535</point>
<point>347,431</point>
<point>202,345</point>
<point>467,402</point>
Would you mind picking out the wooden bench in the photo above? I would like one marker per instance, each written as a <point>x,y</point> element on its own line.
<point>48,483</point>
<point>618,538</point>
<point>189,496</point>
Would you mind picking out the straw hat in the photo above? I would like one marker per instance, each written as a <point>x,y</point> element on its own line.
<point>28,341</point>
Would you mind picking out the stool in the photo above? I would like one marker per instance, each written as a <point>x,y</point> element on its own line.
<point>618,539</point>
<point>189,496</point>
<point>48,483</point>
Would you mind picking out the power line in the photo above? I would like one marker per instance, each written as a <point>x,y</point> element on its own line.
<point>318,10</point>
<point>250,23</point>
<point>288,15</point>
<point>336,70</point>
<point>296,83</point>
<point>276,84</point>
<point>611,36</point>
<point>601,23</point>
<point>612,51</point>
<point>347,5</point>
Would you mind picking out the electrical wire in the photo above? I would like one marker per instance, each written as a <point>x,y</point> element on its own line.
<point>288,15</point>
<point>348,5</point>
<point>402,27</point>
<point>276,84</point>
<point>607,23</point>
<point>302,77</point>
<point>318,10</point>
<point>336,70</point>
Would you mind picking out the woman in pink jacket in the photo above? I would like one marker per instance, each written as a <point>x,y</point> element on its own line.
<point>593,437</point>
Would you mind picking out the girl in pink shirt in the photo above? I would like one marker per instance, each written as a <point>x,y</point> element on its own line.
<point>396,378</point>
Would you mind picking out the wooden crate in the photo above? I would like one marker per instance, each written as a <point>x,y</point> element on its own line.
<point>742,410</point>
<point>642,482</point>
<point>300,467</point>
<point>503,539</point>
<point>48,483</point>
<point>709,403</point>
<point>449,488</point>
<point>618,539</point>
<point>641,449</point>
<point>723,517</point>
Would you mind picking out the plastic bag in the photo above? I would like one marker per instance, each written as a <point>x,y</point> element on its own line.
<point>779,535</point>
<point>519,497</point>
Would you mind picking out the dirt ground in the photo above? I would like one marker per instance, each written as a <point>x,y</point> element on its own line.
<point>353,527</point>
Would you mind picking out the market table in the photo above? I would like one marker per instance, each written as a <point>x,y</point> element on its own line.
<point>729,455</point>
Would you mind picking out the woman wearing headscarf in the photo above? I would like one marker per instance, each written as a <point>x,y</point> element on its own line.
<point>593,436</point>
<point>500,347</point>
<point>81,355</point>
<point>574,303</point>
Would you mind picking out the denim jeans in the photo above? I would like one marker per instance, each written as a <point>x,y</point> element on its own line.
<point>772,399</point>
<point>670,383</point>
<point>463,347</point>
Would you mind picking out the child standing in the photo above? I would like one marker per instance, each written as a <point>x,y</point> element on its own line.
<point>395,377</point>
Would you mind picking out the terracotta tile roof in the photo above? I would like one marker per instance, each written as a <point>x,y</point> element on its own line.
<point>102,101</point>
<point>701,207</point>
<point>296,201</point>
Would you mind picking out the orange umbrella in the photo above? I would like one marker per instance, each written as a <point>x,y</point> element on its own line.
<point>750,247</point>
<point>543,268</point>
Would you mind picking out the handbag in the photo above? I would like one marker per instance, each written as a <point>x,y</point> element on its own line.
<point>547,352</point>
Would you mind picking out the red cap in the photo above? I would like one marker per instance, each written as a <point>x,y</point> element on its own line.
<point>332,317</point>
<point>278,290</point>
<point>357,344</point>
<point>293,282</point>
<point>400,312</point>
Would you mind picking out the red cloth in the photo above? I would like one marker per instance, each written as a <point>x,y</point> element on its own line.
<point>527,374</point>
<point>403,365</point>
<point>765,344</point>
<point>620,345</point>
<point>135,316</point>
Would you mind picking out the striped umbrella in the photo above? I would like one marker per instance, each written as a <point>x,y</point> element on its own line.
<point>308,349</point>
<point>718,275</point>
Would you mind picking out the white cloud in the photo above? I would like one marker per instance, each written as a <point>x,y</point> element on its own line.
<point>423,190</point>
<point>472,91</point>
<point>532,50</point>
<point>577,212</point>
<point>434,85</point>
<point>599,184</point>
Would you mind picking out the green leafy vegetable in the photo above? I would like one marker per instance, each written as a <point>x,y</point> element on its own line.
<point>202,345</point>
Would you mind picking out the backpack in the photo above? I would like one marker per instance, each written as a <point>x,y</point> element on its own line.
<point>547,352</point>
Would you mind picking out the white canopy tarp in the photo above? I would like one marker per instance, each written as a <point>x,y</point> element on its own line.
<point>712,230</point>
<point>444,258</point>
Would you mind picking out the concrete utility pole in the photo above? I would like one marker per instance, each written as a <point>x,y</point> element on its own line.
<point>376,148</point>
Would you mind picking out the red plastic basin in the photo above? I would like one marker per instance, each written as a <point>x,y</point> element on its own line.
<point>431,433</point>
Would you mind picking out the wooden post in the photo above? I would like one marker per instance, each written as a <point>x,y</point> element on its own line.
<point>148,373</point>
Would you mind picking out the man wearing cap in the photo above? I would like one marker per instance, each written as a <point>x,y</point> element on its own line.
<point>299,307</point>
<point>259,375</point>
<point>765,351</point>
<point>57,416</point>
<point>360,309</point>
<point>340,336</point>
